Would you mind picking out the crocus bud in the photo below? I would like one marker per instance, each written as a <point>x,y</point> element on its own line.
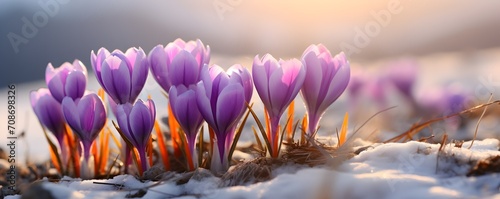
<point>185,110</point>
<point>277,84</point>
<point>121,75</point>
<point>326,79</point>
<point>86,117</point>
<point>178,63</point>
<point>67,80</point>
<point>49,113</point>
<point>221,101</point>
<point>136,123</point>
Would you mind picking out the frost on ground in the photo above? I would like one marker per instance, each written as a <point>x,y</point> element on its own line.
<point>393,170</point>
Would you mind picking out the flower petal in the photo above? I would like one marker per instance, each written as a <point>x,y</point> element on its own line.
<point>159,69</point>
<point>75,84</point>
<point>230,105</point>
<point>97,60</point>
<point>185,69</point>
<point>139,73</point>
<point>141,124</point>
<point>69,107</point>
<point>116,79</point>
<point>203,102</point>
<point>337,86</point>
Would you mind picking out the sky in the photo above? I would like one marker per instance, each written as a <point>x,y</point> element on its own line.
<point>366,30</point>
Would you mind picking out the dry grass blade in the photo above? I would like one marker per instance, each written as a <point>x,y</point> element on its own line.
<point>479,121</point>
<point>418,127</point>
<point>108,173</point>
<point>237,135</point>
<point>283,133</point>
<point>294,130</point>
<point>261,128</point>
<point>56,159</point>
<point>257,139</point>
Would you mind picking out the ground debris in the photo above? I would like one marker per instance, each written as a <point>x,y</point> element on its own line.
<point>486,166</point>
<point>257,170</point>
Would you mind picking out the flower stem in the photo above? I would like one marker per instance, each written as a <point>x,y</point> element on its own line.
<point>144,160</point>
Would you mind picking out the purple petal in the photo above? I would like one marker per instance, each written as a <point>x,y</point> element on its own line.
<point>78,65</point>
<point>56,87</point>
<point>241,74</point>
<point>141,123</point>
<point>69,107</point>
<point>185,69</point>
<point>261,81</point>
<point>187,113</point>
<point>75,84</point>
<point>97,61</point>
<point>116,79</point>
<point>337,86</point>
<point>159,69</point>
<point>139,74</point>
<point>85,110</point>
<point>48,111</point>
<point>203,102</point>
<point>122,117</point>
<point>171,50</point>
<point>230,105</point>
<point>312,83</point>
<point>49,73</point>
<point>100,115</point>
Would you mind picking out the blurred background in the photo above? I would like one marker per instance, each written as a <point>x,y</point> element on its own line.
<point>453,44</point>
<point>284,28</point>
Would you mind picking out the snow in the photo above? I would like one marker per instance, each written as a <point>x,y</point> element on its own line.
<point>394,170</point>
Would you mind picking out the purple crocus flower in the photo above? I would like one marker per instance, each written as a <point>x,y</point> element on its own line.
<point>67,80</point>
<point>49,113</point>
<point>185,110</point>
<point>121,75</point>
<point>178,63</point>
<point>326,79</point>
<point>277,83</point>
<point>221,99</point>
<point>86,116</point>
<point>136,123</point>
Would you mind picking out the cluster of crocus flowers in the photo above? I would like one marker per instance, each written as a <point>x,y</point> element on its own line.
<point>177,69</point>
<point>197,92</point>
<point>320,77</point>
<point>65,102</point>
